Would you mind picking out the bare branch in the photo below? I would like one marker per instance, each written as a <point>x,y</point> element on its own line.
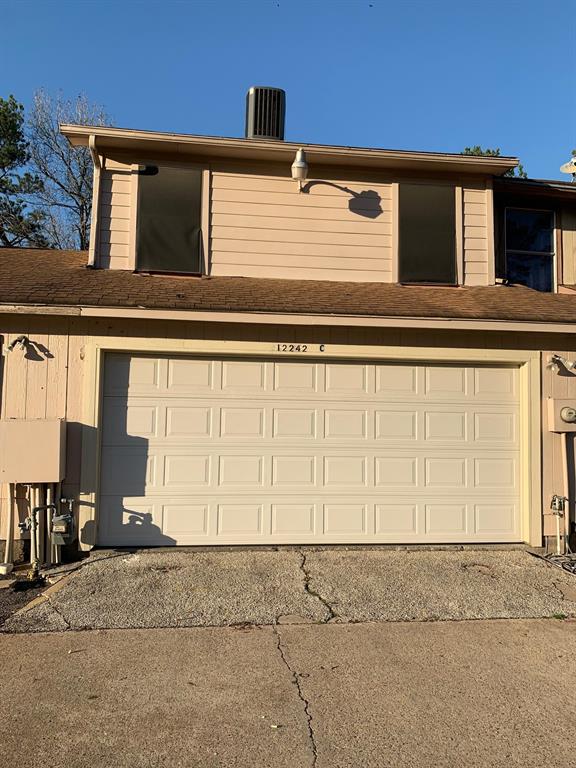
<point>66,172</point>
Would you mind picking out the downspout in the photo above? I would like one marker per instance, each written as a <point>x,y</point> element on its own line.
<point>94,218</point>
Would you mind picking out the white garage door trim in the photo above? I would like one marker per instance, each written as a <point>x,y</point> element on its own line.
<point>526,383</point>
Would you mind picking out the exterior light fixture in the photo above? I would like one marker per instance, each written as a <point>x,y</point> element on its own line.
<point>557,361</point>
<point>300,168</point>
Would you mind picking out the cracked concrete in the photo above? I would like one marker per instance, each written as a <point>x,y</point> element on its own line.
<point>306,704</point>
<point>180,588</point>
<point>484,694</point>
<point>330,615</point>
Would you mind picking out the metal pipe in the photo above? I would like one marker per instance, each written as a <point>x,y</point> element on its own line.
<point>41,523</point>
<point>49,559</point>
<point>8,565</point>
<point>33,533</point>
<point>566,489</point>
<point>56,502</point>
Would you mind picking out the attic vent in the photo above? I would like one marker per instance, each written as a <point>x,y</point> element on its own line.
<point>265,112</point>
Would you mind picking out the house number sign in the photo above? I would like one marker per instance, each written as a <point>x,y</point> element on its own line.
<point>301,347</point>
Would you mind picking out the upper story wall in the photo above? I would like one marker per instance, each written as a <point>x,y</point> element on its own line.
<point>343,226</point>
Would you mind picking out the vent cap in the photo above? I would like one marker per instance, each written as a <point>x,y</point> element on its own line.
<point>265,113</point>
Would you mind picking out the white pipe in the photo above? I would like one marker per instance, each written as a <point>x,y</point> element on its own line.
<point>40,522</point>
<point>565,490</point>
<point>33,527</point>
<point>7,565</point>
<point>48,526</point>
<point>57,550</point>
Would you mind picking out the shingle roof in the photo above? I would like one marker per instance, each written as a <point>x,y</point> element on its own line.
<point>60,278</point>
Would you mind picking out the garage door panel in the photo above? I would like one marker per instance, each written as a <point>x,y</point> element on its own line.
<point>250,450</point>
<point>296,378</point>
<point>133,521</point>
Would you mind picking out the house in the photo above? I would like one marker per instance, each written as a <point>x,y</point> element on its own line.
<point>364,355</point>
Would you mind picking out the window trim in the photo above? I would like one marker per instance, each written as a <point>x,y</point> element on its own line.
<point>554,238</point>
<point>205,193</point>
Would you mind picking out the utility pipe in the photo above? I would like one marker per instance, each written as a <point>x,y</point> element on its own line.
<point>94,217</point>
<point>49,544</point>
<point>33,533</point>
<point>57,547</point>
<point>8,565</point>
<point>41,523</point>
<point>565,490</point>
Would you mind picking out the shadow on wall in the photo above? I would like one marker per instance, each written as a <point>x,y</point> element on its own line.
<point>366,203</point>
<point>125,517</point>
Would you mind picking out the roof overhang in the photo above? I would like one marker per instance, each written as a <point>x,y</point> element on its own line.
<point>136,142</point>
<point>269,318</point>
<point>537,188</point>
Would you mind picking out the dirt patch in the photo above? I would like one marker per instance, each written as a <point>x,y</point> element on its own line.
<point>12,599</point>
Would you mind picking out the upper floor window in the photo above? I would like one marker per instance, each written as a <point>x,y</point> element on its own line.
<point>529,248</point>
<point>169,235</point>
<point>427,236</point>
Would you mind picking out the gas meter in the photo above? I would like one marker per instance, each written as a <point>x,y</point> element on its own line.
<point>62,529</point>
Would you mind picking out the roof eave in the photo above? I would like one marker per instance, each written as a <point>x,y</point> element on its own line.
<point>127,140</point>
<point>271,318</point>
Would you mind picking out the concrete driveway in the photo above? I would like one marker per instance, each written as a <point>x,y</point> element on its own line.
<point>179,588</point>
<point>481,694</point>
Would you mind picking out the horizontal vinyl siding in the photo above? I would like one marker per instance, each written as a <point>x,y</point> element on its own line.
<point>262,226</point>
<point>476,250</point>
<point>114,231</point>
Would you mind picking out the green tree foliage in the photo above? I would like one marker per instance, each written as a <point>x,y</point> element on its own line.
<point>20,225</point>
<point>518,172</point>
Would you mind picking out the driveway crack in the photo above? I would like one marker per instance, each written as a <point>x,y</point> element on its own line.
<point>306,704</point>
<point>59,613</point>
<point>307,588</point>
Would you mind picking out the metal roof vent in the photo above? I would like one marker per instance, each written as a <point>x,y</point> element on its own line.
<point>265,113</point>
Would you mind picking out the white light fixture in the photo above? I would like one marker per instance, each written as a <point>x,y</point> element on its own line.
<point>300,168</point>
<point>556,361</point>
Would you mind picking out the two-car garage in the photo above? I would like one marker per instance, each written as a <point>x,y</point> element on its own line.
<point>250,450</point>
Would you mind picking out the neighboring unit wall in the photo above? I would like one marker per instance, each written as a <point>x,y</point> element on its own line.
<point>557,385</point>
<point>335,230</point>
<point>117,211</point>
<point>568,223</point>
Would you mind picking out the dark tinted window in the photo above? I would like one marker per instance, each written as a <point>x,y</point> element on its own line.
<point>169,218</point>
<point>427,238</point>
<point>529,230</point>
<point>529,238</point>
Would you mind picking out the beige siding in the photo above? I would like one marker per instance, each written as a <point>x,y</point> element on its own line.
<point>116,210</point>
<point>477,251</point>
<point>50,384</point>
<point>262,226</point>
<point>568,224</point>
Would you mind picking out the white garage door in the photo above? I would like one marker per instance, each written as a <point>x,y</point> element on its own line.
<point>198,451</point>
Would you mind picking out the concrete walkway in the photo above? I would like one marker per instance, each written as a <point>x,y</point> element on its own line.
<point>179,588</point>
<point>482,694</point>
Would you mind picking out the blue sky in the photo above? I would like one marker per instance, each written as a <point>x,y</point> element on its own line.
<point>436,75</point>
